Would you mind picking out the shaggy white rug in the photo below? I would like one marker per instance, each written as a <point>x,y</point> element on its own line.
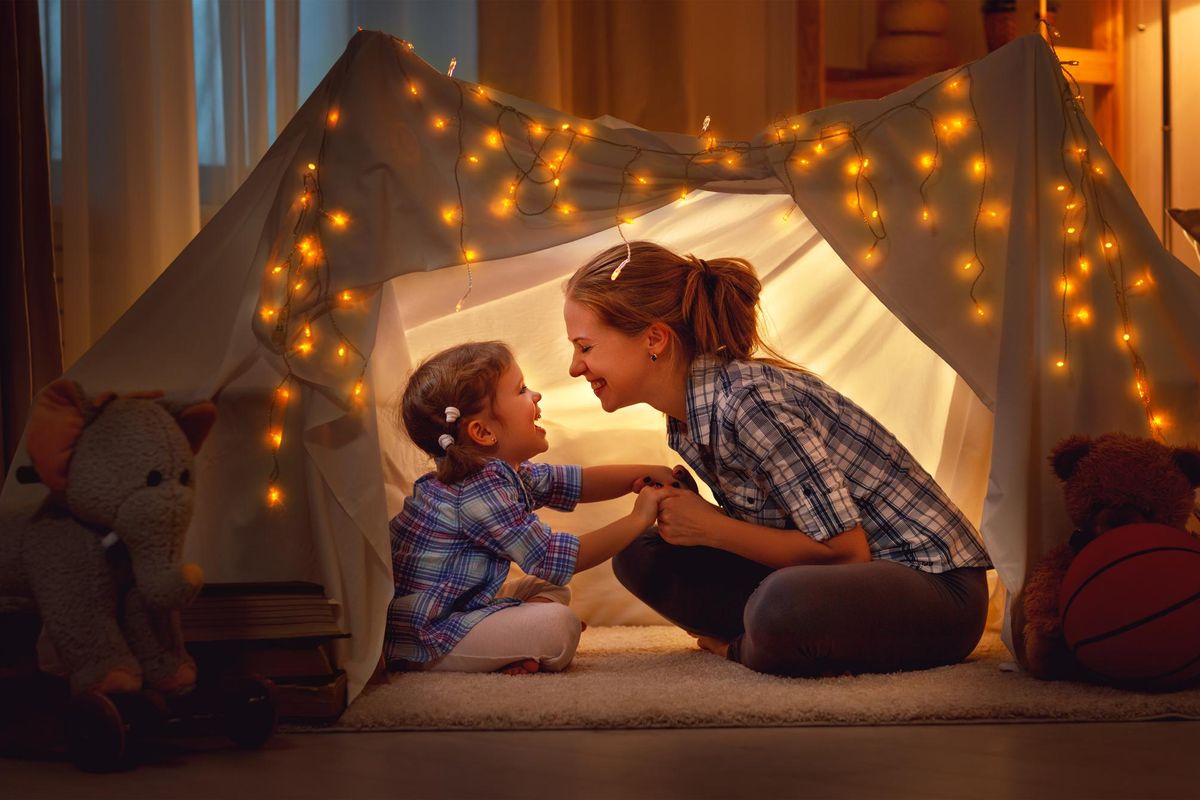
<point>655,677</point>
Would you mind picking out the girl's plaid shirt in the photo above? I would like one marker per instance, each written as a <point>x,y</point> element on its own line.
<point>452,546</point>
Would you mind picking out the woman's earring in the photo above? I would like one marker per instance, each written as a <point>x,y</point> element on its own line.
<point>654,356</point>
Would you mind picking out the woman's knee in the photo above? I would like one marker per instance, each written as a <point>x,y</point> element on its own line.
<point>785,629</point>
<point>637,566</point>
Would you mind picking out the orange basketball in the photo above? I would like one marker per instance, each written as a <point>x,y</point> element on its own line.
<point>1131,606</point>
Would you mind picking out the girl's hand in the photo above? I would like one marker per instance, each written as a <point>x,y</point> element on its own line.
<point>685,518</point>
<point>645,508</point>
<point>656,477</point>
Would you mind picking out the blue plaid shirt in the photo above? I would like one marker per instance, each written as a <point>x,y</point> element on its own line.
<point>452,546</point>
<point>782,449</point>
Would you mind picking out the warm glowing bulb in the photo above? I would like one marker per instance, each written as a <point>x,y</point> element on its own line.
<point>557,182</point>
<point>853,168</point>
<point>277,438</point>
<point>333,117</point>
<point>979,310</point>
<point>926,161</point>
<point>968,265</point>
<point>1064,286</point>
<point>978,166</point>
<point>283,393</point>
<point>804,162</point>
<point>339,219</point>
<point>298,285</point>
<point>311,166</point>
<point>586,131</point>
<point>274,496</point>
<point>278,269</point>
<point>1108,245</point>
<point>341,351</point>
<point>493,139</point>
<point>1125,337</point>
<point>1083,315</point>
<point>473,159</point>
<point>820,148</point>
<point>305,245</point>
<point>267,313</point>
<point>1099,171</point>
<point>1158,421</point>
<point>683,195</point>
<point>537,130</point>
<point>1070,229</point>
<point>412,88</point>
<point>957,123</point>
<point>628,221</point>
<point>358,387</point>
<point>305,348</point>
<point>469,255</point>
<point>448,215</point>
<point>347,297</point>
<point>1061,187</point>
<point>565,209</point>
<point>307,331</point>
<point>641,180</point>
<point>566,125</point>
<point>439,123</point>
<point>874,215</point>
<point>1060,363</point>
<point>1070,206</point>
<point>925,214</point>
<point>1083,265</point>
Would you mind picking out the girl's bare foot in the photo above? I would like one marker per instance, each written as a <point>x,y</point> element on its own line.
<point>713,645</point>
<point>526,667</point>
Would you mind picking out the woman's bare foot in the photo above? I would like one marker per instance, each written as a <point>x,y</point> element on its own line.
<point>713,645</point>
<point>526,667</point>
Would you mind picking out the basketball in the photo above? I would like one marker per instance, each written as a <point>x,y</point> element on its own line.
<point>1131,607</point>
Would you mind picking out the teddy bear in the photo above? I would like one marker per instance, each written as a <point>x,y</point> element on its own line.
<point>99,556</point>
<point>1107,481</point>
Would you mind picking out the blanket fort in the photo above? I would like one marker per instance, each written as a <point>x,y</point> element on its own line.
<point>975,210</point>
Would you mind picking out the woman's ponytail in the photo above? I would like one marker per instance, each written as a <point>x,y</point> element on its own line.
<point>711,306</point>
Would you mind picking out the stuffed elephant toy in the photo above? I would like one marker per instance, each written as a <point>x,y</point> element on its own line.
<point>100,557</point>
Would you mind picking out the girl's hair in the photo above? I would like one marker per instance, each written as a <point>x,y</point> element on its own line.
<point>710,306</point>
<point>465,377</point>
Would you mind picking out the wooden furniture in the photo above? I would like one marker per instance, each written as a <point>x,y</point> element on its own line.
<point>1100,67</point>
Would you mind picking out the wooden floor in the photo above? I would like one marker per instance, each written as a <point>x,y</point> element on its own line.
<point>1106,760</point>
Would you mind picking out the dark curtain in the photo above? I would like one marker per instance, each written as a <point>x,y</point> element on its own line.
<point>30,338</point>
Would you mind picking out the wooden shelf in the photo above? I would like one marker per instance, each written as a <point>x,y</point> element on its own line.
<point>1096,67</point>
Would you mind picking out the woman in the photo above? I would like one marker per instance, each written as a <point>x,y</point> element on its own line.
<point>831,550</point>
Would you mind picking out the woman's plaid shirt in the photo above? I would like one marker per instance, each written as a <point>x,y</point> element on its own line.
<point>452,546</point>
<point>782,449</point>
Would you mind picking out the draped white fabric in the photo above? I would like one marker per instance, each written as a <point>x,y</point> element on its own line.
<point>871,329</point>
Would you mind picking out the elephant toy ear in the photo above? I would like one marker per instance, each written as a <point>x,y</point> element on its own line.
<point>1067,454</point>
<point>196,421</point>
<point>56,422</point>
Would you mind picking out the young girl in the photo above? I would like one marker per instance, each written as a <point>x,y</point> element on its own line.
<point>452,543</point>
<point>831,550</point>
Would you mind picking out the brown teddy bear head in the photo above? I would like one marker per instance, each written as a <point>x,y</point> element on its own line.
<point>1116,479</point>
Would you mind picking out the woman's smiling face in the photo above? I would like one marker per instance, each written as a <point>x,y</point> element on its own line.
<point>616,365</point>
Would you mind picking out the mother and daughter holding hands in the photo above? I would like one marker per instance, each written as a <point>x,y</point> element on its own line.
<point>831,551</point>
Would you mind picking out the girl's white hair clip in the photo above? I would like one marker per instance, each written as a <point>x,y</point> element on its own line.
<point>452,414</point>
<point>445,440</point>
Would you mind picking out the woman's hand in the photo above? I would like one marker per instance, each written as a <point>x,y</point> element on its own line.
<point>678,478</point>
<point>685,518</point>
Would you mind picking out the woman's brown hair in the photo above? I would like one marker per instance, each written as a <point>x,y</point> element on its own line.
<point>464,376</point>
<point>711,306</point>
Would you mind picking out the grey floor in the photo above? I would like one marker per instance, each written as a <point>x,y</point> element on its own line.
<point>1109,760</point>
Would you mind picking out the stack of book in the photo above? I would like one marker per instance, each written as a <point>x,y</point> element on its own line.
<point>278,630</point>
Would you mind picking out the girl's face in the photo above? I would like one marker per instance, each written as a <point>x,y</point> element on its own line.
<point>514,418</point>
<point>617,365</point>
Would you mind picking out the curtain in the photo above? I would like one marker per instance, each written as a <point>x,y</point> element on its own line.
<point>130,198</point>
<point>30,339</point>
<point>661,64</point>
